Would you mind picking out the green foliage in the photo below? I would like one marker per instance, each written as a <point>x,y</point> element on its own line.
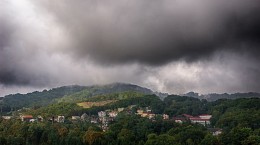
<point>177,105</point>
<point>163,139</point>
<point>115,96</point>
<point>21,133</point>
<point>209,139</point>
<point>65,109</point>
<point>232,113</point>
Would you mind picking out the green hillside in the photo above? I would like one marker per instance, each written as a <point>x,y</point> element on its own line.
<point>115,88</point>
<point>68,94</point>
<point>37,99</point>
<point>122,99</point>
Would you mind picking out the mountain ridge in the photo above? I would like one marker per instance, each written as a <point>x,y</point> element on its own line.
<point>217,96</point>
<point>77,93</point>
<point>73,93</point>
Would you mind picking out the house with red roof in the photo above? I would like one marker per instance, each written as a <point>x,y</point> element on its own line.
<point>203,119</point>
<point>26,118</point>
<point>199,120</point>
<point>187,116</point>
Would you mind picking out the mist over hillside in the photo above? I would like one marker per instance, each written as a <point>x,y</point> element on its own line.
<point>76,93</point>
<point>73,93</point>
<point>215,96</point>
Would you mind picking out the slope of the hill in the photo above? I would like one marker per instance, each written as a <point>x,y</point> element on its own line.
<point>70,94</point>
<point>37,99</point>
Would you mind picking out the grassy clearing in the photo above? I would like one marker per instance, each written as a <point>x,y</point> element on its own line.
<point>91,104</point>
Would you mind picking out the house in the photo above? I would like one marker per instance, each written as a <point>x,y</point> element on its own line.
<point>203,119</point>
<point>7,117</point>
<point>200,121</point>
<point>148,115</point>
<point>140,111</point>
<point>39,118</point>
<point>84,117</point>
<point>151,115</point>
<point>165,116</point>
<point>32,120</point>
<point>120,109</point>
<point>102,114</point>
<point>148,109</point>
<point>53,119</point>
<point>94,120</point>
<point>187,116</point>
<point>61,119</point>
<point>205,116</point>
<point>75,117</point>
<point>215,131</point>
<point>179,119</point>
<point>112,114</point>
<point>26,118</point>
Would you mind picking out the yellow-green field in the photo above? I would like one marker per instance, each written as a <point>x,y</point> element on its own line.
<point>91,104</point>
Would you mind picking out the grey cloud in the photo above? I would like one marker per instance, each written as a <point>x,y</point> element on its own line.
<point>157,32</point>
<point>144,42</point>
<point>19,50</point>
<point>226,72</point>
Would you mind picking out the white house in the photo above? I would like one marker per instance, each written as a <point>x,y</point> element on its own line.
<point>61,119</point>
<point>75,117</point>
<point>165,116</point>
<point>112,114</point>
<point>7,117</point>
<point>102,114</point>
<point>205,116</point>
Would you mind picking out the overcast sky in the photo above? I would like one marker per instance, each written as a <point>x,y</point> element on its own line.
<point>173,46</point>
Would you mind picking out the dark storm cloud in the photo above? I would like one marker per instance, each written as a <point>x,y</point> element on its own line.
<point>6,75</point>
<point>18,50</point>
<point>169,45</point>
<point>157,32</point>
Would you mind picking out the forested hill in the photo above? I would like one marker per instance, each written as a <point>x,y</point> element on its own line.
<point>215,96</point>
<point>114,88</point>
<point>66,94</point>
<point>38,98</point>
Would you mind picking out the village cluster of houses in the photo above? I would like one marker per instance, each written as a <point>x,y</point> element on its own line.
<point>25,118</point>
<point>147,112</point>
<point>104,118</point>
<point>203,119</point>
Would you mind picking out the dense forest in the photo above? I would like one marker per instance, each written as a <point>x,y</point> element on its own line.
<point>238,119</point>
